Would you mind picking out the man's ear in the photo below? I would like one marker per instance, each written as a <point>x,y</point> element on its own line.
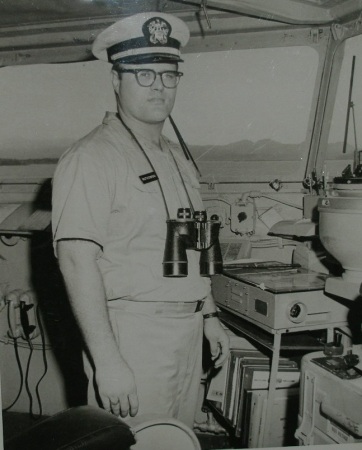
<point>115,81</point>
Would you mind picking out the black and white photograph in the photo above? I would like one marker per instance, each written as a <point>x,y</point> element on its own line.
<point>180,224</point>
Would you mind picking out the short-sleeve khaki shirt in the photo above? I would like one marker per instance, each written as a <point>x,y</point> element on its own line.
<point>98,195</point>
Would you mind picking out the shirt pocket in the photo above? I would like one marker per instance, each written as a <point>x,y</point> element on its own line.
<point>193,187</point>
<point>191,179</point>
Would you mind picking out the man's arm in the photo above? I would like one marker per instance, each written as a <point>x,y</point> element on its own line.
<point>215,334</point>
<point>83,280</point>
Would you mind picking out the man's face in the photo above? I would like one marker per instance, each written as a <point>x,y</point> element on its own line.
<point>151,104</point>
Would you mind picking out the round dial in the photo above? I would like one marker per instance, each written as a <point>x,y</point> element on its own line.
<point>297,312</point>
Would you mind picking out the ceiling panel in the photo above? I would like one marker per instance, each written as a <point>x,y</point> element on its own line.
<point>18,12</point>
<point>30,30</point>
<point>25,12</point>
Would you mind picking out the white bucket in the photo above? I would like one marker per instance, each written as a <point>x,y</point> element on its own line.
<point>163,434</point>
<point>340,230</point>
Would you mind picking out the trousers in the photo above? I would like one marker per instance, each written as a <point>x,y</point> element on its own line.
<point>164,351</point>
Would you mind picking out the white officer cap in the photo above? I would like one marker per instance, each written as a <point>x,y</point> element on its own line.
<point>142,38</point>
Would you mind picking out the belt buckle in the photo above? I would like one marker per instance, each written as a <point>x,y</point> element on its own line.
<point>199,305</point>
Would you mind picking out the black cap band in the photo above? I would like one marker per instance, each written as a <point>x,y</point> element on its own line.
<point>141,43</point>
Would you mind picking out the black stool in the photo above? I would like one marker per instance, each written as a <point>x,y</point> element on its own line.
<point>82,427</point>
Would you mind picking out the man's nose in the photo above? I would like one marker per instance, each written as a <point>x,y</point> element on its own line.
<point>158,84</point>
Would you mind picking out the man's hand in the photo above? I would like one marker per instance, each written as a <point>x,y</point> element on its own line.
<point>83,279</point>
<point>218,340</point>
<point>117,389</point>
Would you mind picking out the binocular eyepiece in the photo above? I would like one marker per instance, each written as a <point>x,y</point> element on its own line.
<point>195,233</point>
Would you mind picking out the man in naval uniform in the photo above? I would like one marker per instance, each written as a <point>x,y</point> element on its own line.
<point>113,191</point>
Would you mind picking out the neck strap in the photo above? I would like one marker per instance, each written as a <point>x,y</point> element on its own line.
<point>133,136</point>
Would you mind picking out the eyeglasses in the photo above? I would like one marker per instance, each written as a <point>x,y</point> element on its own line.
<point>146,77</point>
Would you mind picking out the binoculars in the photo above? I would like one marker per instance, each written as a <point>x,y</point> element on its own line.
<point>196,233</point>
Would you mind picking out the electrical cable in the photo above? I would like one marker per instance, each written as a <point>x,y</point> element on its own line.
<point>30,346</point>
<point>21,377</point>
<point>44,361</point>
<point>27,379</point>
<point>16,350</point>
<point>292,205</point>
<point>13,339</point>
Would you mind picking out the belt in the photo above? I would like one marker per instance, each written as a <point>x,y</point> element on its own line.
<point>156,307</point>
